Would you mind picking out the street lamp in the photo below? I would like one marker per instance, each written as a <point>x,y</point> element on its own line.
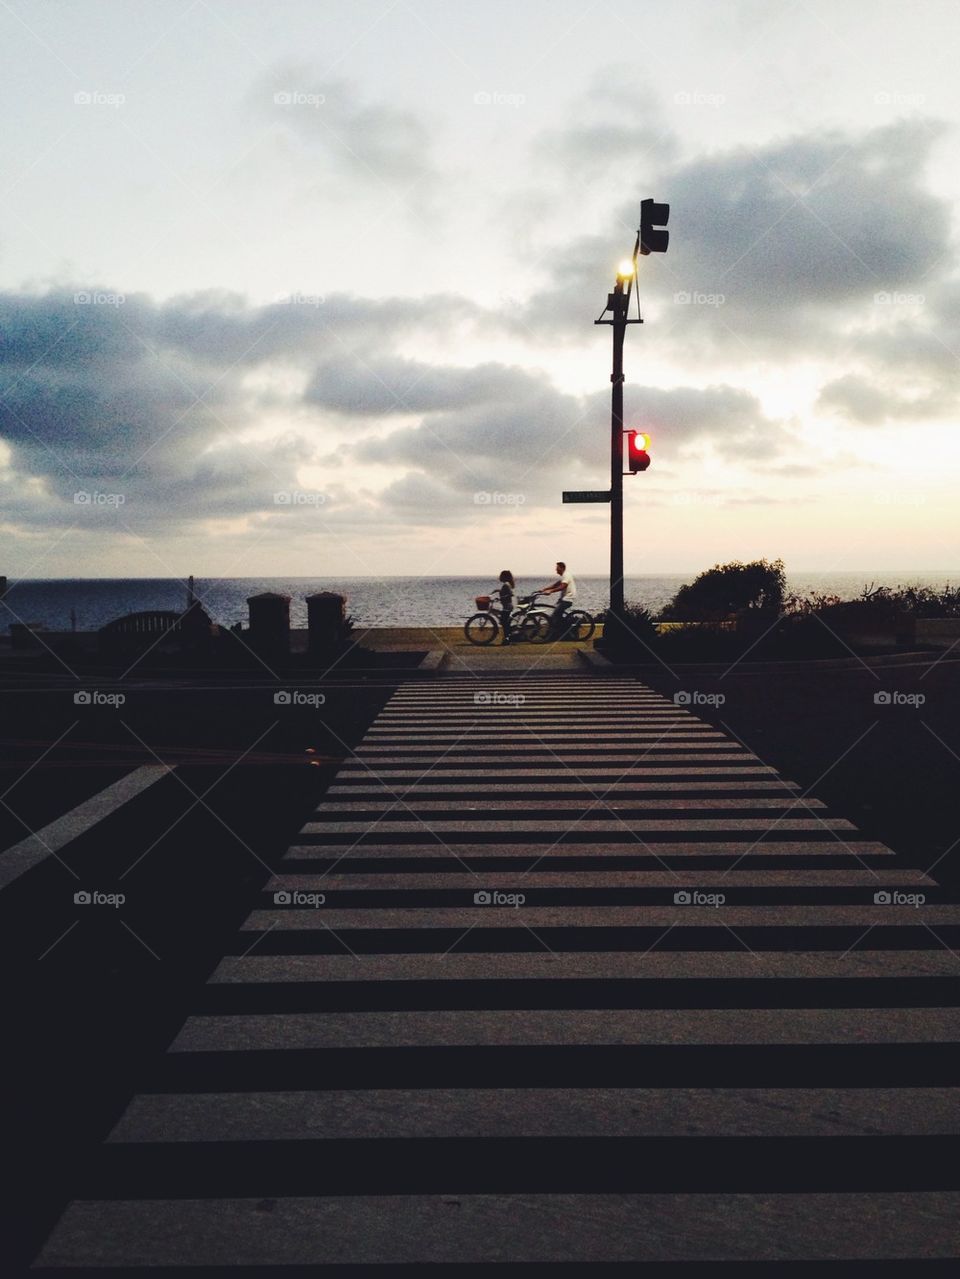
<point>651,238</point>
<point>618,305</point>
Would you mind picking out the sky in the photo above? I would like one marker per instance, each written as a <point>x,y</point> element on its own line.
<point>308,287</point>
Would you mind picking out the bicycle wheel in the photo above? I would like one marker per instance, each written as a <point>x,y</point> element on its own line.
<point>533,628</point>
<point>538,623</point>
<point>578,626</point>
<point>482,628</point>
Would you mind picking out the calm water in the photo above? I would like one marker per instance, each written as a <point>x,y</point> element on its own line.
<point>397,601</point>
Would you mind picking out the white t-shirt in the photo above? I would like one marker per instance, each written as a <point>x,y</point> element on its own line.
<point>567,579</point>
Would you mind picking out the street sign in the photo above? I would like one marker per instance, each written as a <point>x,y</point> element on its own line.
<point>587,495</point>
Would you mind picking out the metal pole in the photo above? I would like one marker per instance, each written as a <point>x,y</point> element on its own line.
<point>616,453</point>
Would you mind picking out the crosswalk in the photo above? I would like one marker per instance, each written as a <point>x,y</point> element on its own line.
<point>556,973</point>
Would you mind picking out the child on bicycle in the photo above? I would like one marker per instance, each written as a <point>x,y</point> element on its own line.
<point>507,593</point>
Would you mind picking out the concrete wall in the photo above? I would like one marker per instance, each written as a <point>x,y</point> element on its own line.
<point>939,631</point>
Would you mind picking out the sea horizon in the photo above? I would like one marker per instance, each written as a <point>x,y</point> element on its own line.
<point>87,603</point>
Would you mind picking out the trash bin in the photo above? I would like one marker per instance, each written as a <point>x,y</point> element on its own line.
<point>270,624</point>
<point>326,614</point>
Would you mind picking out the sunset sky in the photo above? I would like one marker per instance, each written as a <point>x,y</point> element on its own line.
<point>306,287</point>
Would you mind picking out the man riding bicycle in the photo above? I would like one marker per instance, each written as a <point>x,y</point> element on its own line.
<point>567,589</point>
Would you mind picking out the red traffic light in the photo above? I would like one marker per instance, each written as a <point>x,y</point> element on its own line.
<point>638,442</point>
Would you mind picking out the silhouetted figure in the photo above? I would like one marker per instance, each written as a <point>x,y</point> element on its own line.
<point>507,593</point>
<point>567,589</point>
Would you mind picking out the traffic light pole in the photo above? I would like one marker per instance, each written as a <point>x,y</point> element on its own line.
<point>651,238</point>
<point>619,326</point>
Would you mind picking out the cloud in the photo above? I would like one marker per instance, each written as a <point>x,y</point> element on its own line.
<point>866,402</point>
<point>380,385</point>
<point>617,125</point>
<point>818,220</point>
<point>373,142</point>
<point>547,435</point>
<point>165,404</point>
<point>785,244</point>
<point>158,402</point>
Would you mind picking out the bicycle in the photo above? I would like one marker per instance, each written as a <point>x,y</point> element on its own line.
<point>575,624</point>
<point>525,625</point>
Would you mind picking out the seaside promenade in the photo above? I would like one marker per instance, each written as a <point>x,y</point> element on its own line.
<point>555,973</point>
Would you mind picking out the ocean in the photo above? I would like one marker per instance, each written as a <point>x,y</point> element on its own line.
<point>392,601</point>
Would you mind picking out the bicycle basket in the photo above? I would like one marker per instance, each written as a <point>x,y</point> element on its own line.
<point>482,601</point>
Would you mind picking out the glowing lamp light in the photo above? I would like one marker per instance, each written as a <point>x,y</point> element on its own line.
<point>625,269</point>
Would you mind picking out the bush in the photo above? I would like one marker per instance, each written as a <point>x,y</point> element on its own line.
<point>730,590</point>
<point>878,604</point>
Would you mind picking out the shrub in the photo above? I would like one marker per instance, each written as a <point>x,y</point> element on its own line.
<point>727,590</point>
<point>879,604</point>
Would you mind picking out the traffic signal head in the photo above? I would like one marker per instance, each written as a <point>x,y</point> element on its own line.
<point>638,442</point>
<point>652,217</point>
